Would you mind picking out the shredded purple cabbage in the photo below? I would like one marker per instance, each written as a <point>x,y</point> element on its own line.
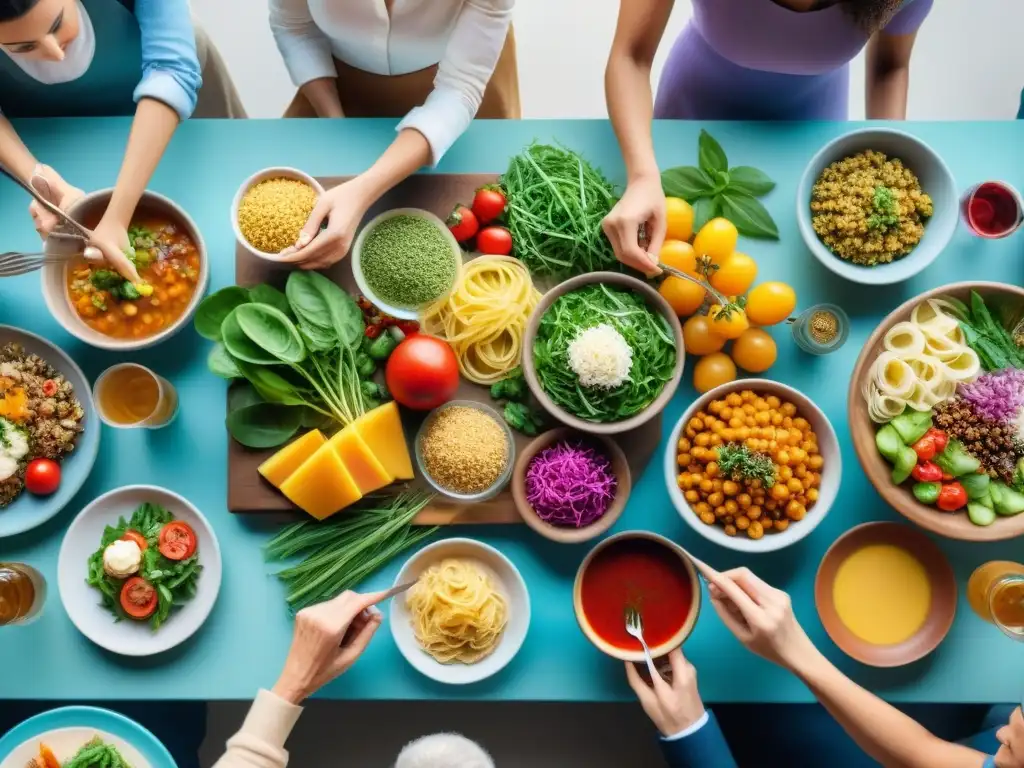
<point>998,395</point>
<point>570,484</point>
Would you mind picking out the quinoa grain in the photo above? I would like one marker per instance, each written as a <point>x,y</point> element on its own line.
<point>464,450</point>
<point>272,213</point>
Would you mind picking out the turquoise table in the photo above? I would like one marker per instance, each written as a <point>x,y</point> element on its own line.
<point>246,638</point>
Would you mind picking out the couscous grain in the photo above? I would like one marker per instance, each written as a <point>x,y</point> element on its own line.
<point>272,213</point>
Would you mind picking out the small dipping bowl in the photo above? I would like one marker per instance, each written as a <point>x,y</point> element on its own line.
<point>562,533</point>
<point>252,181</point>
<point>502,480</point>
<point>807,335</point>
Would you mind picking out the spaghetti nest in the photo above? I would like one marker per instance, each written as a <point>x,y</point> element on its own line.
<point>484,317</point>
<point>457,614</point>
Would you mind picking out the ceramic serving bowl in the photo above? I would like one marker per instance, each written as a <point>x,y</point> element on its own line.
<point>89,210</point>
<point>654,301</point>
<point>831,474</point>
<point>624,654</point>
<point>940,577</point>
<point>252,181</point>
<point>936,181</point>
<point>563,534</point>
<point>403,313</point>
<point>1001,298</point>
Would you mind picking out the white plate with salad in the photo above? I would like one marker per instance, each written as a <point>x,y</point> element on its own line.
<point>139,570</point>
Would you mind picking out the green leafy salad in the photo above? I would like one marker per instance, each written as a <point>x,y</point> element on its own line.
<point>147,566</point>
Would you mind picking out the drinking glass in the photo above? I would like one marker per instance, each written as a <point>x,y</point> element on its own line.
<point>992,209</point>
<point>22,594</point>
<point>129,395</point>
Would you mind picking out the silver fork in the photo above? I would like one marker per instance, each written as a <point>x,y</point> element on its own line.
<point>635,627</point>
<point>15,263</point>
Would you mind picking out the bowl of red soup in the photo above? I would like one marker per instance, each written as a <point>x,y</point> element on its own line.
<point>95,304</point>
<point>642,571</point>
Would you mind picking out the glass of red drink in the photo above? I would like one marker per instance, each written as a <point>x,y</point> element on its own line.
<point>992,209</point>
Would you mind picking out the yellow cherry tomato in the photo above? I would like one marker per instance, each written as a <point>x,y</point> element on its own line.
<point>679,219</point>
<point>678,254</point>
<point>684,297</point>
<point>713,370</point>
<point>754,350</point>
<point>770,303</point>
<point>735,274</point>
<point>716,240</point>
<point>699,339</point>
<point>728,322</point>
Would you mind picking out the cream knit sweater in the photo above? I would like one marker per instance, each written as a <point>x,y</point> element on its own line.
<point>260,743</point>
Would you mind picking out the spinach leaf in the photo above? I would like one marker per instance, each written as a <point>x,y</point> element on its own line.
<point>240,346</point>
<point>749,215</point>
<point>212,310</point>
<point>268,294</point>
<point>271,386</point>
<point>263,425</point>
<point>272,330</point>
<point>322,304</point>
<point>754,182</point>
<point>221,363</point>
<point>710,154</point>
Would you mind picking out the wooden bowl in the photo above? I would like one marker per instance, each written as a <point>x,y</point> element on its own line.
<point>620,467</point>
<point>654,300</point>
<point>862,429</point>
<point>940,576</point>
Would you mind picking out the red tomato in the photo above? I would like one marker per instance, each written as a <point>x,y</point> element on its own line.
<point>495,241</point>
<point>462,223</point>
<point>489,203</point>
<point>138,598</point>
<point>422,372</point>
<point>42,476</point>
<point>177,541</point>
<point>137,537</point>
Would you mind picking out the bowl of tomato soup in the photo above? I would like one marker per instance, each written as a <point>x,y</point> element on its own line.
<point>93,303</point>
<point>644,571</point>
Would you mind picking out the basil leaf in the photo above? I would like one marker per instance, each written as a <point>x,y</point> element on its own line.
<point>710,154</point>
<point>687,182</point>
<point>704,210</point>
<point>721,181</point>
<point>750,217</point>
<point>752,181</point>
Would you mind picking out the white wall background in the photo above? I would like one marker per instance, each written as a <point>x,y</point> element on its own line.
<point>968,63</point>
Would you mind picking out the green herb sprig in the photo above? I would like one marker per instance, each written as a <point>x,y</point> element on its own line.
<point>715,189</point>
<point>740,463</point>
<point>996,346</point>
<point>96,753</point>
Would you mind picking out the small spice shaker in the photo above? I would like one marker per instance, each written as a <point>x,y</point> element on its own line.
<point>821,329</point>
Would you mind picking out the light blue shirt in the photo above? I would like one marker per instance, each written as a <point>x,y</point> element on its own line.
<point>170,66</point>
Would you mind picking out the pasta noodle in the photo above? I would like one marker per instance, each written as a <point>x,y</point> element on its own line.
<point>484,317</point>
<point>457,614</point>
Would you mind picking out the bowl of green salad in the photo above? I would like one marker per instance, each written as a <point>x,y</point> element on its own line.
<point>603,353</point>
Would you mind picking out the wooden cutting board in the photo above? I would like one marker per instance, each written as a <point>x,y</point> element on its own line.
<point>248,492</point>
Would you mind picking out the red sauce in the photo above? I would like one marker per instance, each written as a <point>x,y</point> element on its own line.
<point>639,573</point>
<point>992,210</point>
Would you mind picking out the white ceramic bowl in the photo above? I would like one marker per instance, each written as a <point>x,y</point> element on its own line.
<point>403,313</point>
<point>82,602</point>
<point>256,178</point>
<point>507,579</point>
<point>936,180</point>
<point>88,210</point>
<point>828,447</point>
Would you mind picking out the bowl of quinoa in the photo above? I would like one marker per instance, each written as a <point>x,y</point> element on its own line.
<point>877,206</point>
<point>270,209</point>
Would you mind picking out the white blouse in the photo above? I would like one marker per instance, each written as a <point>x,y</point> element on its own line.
<point>464,37</point>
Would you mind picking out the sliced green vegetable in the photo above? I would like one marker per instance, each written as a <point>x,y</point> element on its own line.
<point>888,442</point>
<point>911,425</point>
<point>927,493</point>
<point>906,460</point>
<point>976,485</point>
<point>1009,502</point>
<point>980,514</point>
<point>955,460</point>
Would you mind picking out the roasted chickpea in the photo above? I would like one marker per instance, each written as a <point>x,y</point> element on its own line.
<point>811,494</point>
<point>683,459</point>
<point>800,471</point>
<point>730,488</point>
<point>815,462</point>
<point>705,485</point>
<point>795,510</point>
<point>732,507</point>
<point>754,513</point>
<point>716,499</point>
<point>683,481</point>
<point>766,523</point>
<point>726,413</point>
<point>736,422</point>
<point>788,409</point>
<point>720,511</point>
<point>748,409</point>
<point>711,469</point>
<point>716,485</point>
<point>703,439</point>
<point>794,485</point>
<point>782,458</point>
<point>716,439</point>
<point>763,418</point>
<point>692,497</point>
<point>777,419</point>
<point>773,401</point>
<point>781,525</point>
<point>695,424</point>
<point>743,500</point>
<point>733,399</point>
<point>799,455</point>
<point>800,423</point>
<point>785,473</point>
<point>787,422</point>
<point>707,518</point>
<point>742,523</point>
<point>780,492</point>
<point>771,505</point>
<point>730,530</point>
<point>755,530</point>
<point>702,508</point>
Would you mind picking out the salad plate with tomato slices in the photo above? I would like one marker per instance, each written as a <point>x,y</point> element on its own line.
<point>139,570</point>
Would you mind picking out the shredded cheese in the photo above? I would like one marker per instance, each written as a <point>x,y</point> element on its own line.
<point>600,357</point>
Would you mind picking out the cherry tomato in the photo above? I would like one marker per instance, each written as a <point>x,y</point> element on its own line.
<point>729,321</point>
<point>137,537</point>
<point>678,219</point>
<point>678,254</point>
<point>495,241</point>
<point>734,275</point>
<point>770,303</point>
<point>177,541</point>
<point>698,337</point>
<point>713,370</point>
<point>462,223</point>
<point>684,297</point>
<point>716,240</point>
<point>138,598</point>
<point>489,203</point>
<point>42,476</point>
<point>49,388</point>
<point>422,372</point>
<point>754,350</point>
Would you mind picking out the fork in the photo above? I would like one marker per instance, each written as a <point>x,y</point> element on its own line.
<point>15,263</point>
<point>635,627</point>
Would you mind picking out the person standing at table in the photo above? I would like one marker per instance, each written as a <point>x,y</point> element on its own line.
<point>72,58</point>
<point>437,64</point>
<point>744,60</point>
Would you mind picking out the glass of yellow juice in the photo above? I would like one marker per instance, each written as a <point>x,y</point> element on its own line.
<point>130,395</point>
<point>996,593</point>
<point>22,594</point>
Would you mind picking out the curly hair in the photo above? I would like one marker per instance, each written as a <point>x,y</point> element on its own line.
<point>872,15</point>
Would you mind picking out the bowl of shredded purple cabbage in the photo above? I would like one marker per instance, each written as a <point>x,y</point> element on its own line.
<point>570,486</point>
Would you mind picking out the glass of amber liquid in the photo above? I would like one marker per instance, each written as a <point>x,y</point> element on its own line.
<point>22,594</point>
<point>130,395</point>
<point>996,593</point>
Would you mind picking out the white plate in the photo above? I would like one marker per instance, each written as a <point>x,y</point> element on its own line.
<point>82,602</point>
<point>507,580</point>
<point>65,742</point>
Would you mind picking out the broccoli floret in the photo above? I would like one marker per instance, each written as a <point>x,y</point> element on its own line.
<point>512,387</point>
<point>126,291</point>
<point>105,280</point>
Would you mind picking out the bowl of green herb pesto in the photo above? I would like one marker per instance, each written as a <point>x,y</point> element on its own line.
<point>603,352</point>
<point>404,260</point>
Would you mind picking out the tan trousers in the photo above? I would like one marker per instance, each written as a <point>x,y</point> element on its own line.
<point>218,96</point>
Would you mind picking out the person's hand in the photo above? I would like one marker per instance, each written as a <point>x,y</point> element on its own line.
<point>343,207</point>
<point>1011,737</point>
<point>673,707</point>
<point>57,191</point>
<point>643,205</point>
<point>327,640</point>
<point>110,242</point>
<point>760,616</point>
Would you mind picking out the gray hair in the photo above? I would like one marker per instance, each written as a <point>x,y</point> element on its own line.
<point>444,750</point>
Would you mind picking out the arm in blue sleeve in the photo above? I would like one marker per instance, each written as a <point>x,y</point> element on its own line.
<point>170,66</point>
<point>703,748</point>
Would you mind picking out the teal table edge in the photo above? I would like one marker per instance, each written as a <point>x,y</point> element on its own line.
<point>246,638</point>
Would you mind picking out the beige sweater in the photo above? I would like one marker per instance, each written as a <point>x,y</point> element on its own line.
<point>260,743</point>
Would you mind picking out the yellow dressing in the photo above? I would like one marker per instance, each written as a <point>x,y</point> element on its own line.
<point>882,594</point>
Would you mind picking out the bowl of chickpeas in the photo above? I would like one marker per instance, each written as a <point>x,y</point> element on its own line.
<point>753,465</point>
